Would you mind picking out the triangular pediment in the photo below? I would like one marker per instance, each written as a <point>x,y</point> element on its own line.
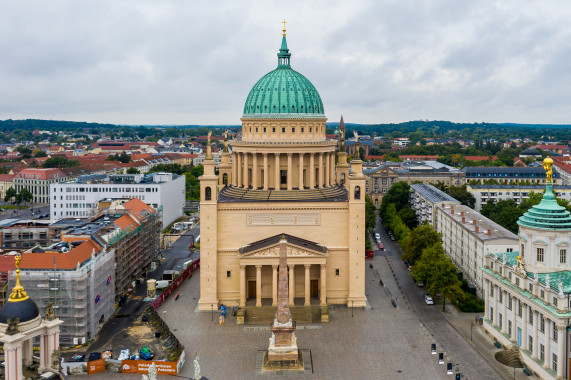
<point>270,247</point>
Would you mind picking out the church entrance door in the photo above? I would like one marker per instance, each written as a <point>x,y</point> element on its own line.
<point>251,289</point>
<point>314,288</point>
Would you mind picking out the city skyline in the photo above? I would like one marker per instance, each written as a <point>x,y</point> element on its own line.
<point>170,63</point>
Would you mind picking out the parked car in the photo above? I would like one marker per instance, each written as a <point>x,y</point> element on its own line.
<point>377,236</point>
<point>392,237</point>
<point>428,300</point>
<point>381,246</point>
<point>420,284</point>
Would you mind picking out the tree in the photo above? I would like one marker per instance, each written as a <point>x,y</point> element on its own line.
<point>10,193</point>
<point>420,238</point>
<point>439,274</point>
<point>40,153</point>
<point>408,216</point>
<point>133,170</point>
<point>169,168</point>
<point>60,162</point>
<point>24,196</point>
<point>398,194</point>
<point>462,195</point>
<point>370,217</point>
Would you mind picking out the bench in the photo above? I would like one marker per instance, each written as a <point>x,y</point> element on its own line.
<point>497,344</point>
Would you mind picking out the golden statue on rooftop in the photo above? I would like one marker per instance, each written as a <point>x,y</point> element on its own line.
<point>547,166</point>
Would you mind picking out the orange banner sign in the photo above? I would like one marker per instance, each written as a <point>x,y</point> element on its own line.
<point>141,366</point>
<point>95,366</point>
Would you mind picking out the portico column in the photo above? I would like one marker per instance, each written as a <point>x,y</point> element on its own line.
<point>561,357</point>
<point>258,285</point>
<point>301,171</point>
<point>307,266</point>
<point>239,170</point>
<point>504,311</point>
<point>323,284</point>
<point>311,170</point>
<point>495,316</point>
<point>487,299</point>
<point>291,284</point>
<point>535,329</point>
<point>320,166</point>
<point>274,285</point>
<point>242,286</point>
<point>235,169</point>
<point>514,324</point>
<point>327,169</point>
<point>265,171</point>
<point>332,168</point>
<point>255,171</point>
<point>277,170</point>
<point>27,348</point>
<point>548,333</point>
<point>13,361</point>
<point>289,169</point>
<point>246,179</point>
<point>524,335</point>
<point>42,352</point>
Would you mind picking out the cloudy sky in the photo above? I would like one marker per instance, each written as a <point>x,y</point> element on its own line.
<point>374,61</point>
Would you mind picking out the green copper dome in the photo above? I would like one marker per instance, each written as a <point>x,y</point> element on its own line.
<point>547,214</point>
<point>283,93</point>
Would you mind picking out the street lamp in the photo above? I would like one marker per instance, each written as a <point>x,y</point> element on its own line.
<point>471,325</point>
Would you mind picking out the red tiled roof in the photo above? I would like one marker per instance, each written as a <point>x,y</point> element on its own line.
<point>7,263</point>
<point>480,158</point>
<point>66,260</point>
<point>126,221</point>
<point>42,174</point>
<point>7,177</point>
<point>138,208</point>
<point>369,158</point>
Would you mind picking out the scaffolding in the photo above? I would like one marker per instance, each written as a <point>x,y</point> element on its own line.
<point>83,298</point>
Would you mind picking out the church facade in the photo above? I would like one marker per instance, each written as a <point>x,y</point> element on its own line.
<point>285,181</point>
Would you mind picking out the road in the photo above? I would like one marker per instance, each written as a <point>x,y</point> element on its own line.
<point>133,307</point>
<point>24,213</point>
<point>457,349</point>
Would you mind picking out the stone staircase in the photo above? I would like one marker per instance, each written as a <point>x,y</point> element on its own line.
<point>265,315</point>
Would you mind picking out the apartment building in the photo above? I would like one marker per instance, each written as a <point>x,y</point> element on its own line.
<point>38,182</point>
<point>468,236</point>
<point>509,175</point>
<point>423,199</point>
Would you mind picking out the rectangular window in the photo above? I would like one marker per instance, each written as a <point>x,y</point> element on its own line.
<point>509,328</point>
<point>519,309</point>
<point>274,129</point>
<point>336,272</point>
<point>554,301</point>
<point>540,254</point>
<point>542,294</point>
<point>541,352</point>
<point>554,362</point>
<point>283,130</point>
<point>530,287</point>
<point>562,256</point>
<point>500,296</point>
<point>510,300</point>
<point>500,320</point>
<point>517,281</point>
<point>510,250</point>
<point>522,252</point>
<point>302,129</point>
<point>554,331</point>
<point>228,274</point>
<point>293,130</point>
<point>492,290</point>
<point>530,316</point>
<point>530,343</point>
<point>541,323</point>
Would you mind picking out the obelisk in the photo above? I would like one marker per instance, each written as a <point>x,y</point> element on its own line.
<point>283,345</point>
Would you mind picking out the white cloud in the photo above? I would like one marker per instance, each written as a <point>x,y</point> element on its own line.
<point>372,61</point>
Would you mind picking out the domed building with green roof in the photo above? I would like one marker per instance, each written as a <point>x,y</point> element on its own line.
<point>527,292</point>
<point>282,176</point>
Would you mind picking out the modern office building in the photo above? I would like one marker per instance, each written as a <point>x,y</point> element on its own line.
<point>79,198</point>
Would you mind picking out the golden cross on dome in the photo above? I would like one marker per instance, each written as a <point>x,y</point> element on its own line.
<point>284,22</point>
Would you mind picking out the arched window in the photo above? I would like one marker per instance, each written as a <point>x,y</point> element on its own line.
<point>342,178</point>
<point>208,194</point>
<point>357,192</point>
<point>225,179</point>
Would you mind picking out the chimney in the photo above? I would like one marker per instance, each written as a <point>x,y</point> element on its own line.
<point>451,210</point>
<point>462,213</point>
<point>463,220</point>
<point>474,222</point>
<point>489,232</point>
<point>477,229</point>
